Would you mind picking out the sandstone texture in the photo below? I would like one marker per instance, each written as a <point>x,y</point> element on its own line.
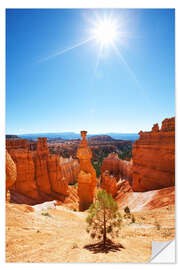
<point>148,200</point>
<point>11,172</point>
<point>39,174</point>
<point>154,158</point>
<point>120,169</point>
<point>35,238</point>
<point>86,176</point>
<point>70,169</point>
<point>109,183</point>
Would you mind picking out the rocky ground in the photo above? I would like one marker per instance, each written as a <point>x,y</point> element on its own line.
<point>42,234</point>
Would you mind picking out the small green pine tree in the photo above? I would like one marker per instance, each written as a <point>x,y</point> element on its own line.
<point>127,210</point>
<point>104,218</point>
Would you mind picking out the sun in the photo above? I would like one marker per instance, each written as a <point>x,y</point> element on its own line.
<point>105,32</point>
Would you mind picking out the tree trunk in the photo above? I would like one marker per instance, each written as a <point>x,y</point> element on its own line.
<point>104,234</point>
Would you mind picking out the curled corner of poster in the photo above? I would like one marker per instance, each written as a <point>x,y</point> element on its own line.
<point>163,252</point>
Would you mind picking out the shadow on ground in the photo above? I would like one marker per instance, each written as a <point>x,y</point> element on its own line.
<point>99,247</point>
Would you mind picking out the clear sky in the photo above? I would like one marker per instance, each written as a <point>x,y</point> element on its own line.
<point>52,88</point>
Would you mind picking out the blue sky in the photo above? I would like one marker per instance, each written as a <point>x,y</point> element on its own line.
<point>69,92</point>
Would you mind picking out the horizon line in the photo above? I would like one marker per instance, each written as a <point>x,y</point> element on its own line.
<point>99,133</point>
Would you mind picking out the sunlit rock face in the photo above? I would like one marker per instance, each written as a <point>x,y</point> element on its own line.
<point>70,169</point>
<point>59,184</point>
<point>154,158</point>
<point>120,169</point>
<point>87,174</point>
<point>109,183</point>
<point>39,175</point>
<point>25,182</point>
<point>11,172</point>
<point>41,165</point>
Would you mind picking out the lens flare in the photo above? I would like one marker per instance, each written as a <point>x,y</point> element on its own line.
<point>105,32</point>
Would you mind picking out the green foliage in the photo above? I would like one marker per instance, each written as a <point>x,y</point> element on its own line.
<point>125,151</point>
<point>75,184</point>
<point>45,214</point>
<point>104,218</point>
<point>127,210</point>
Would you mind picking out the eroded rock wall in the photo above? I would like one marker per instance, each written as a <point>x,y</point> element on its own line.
<point>39,175</point>
<point>154,158</point>
<point>120,169</point>
<point>11,172</point>
<point>70,169</point>
<point>109,183</point>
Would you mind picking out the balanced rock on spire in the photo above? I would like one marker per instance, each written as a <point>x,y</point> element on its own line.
<point>87,174</point>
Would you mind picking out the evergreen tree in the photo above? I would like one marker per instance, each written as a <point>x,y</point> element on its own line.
<point>104,218</point>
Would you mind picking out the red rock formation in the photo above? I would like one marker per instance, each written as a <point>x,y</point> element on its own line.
<point>109,183</point>
<point>72,201</point>
<point>59,184</point>
<point>123,188</point>
<point>16,144</point>
<point>140,201</point>
<point>86,176</point>
<point>125,169</point>
<point>39,175</point>
<point>70,169</point>
<point>117,167</point>
<point>41,166</point>
<point>154,158</point>
<point>25,182</point>
<point>11,172</point>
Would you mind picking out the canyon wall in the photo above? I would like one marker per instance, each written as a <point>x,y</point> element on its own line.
<point>70,169</point>
<point>154,158</point>
<point>11,172</point>
<point>109,183</point>
<point>39,174</point>
<point>120,169</point>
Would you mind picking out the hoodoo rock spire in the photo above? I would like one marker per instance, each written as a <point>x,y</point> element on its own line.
<point>87,174</point>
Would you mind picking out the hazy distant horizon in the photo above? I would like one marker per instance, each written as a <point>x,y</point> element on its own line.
<point>73,135</point>
<point>59,132</point>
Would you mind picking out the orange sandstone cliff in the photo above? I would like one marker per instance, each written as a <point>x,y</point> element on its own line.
<point>39,175</point>
<point>117,167</point>
<point>11,172</point>
<point>154,158</point>
<point>86,176</point>
<point>70,169</point>
<point>109,183</point>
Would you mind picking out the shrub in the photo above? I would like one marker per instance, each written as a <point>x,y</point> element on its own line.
<point>127,210</point>
<point>45,214</point>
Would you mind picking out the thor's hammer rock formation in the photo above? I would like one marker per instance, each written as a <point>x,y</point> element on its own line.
<point>87,174</point>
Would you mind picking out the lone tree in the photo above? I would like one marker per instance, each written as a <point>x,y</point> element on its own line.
<point>104,218</point>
